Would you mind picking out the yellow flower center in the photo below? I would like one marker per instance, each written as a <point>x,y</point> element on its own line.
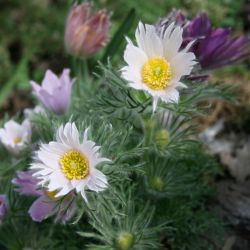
<point>156,73</point>
<point>17,140</point>
<point>75,165</point>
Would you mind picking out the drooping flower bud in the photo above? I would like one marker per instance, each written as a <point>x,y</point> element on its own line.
<point>86,33</point>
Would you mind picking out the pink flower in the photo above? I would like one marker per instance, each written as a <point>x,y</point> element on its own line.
<point>86,33</point>
<point>55,93</point>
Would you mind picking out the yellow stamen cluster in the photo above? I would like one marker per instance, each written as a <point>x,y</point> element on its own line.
<point>156,73</point>
<point>17,140</point>
<point>75,165</point>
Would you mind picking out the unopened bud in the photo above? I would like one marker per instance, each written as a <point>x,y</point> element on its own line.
<point>86,33</point>
<point>162,138</point>
<point>125,241</point>
<point>157,183</point>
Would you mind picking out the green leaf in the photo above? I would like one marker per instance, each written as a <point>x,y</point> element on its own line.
<point>118,37</point>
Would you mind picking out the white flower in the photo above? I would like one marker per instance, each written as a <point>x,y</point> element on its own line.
<point>156,65</point>
<point>15,136</point>
<point>67,163</point>
<point>29,113</point>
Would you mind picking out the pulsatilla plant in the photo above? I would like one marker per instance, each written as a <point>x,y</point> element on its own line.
<point>110,159</point>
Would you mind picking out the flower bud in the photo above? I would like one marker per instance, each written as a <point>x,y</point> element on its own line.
<point>157,183</point>
<point>162,138</point>
<point>86,33</point>
<point>125,241</point>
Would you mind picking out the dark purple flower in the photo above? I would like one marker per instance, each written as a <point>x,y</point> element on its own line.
<point>46,204</point>
<point>54,93</point>
<point>3,207</point>
<point>214,47</point>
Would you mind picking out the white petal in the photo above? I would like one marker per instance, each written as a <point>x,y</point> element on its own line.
<point>132,76</point>
<point>138,86</point>
<point>189,45</point>
<point>179,84</point>
<point>85,135</point>
<point>65,190</point>
<point>171,95</point>
<point>167,32</point>
<point>172,41</point>
<point>148,40</point>
<point>98,181</point>
<point>98,160</point>
<point>155,102</point>
<point>182,64</point>
<point>60,137</point>
<point>48,158</point>
<point>75,134</point>
<point>57,148</point>
<point>84,195</point>
<point>135,58</point>
<point>38,166</point>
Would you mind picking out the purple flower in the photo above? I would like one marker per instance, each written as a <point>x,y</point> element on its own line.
<point>214,47</point>
<point>46,205</point>
<point>55,93</point>
<point>3,207</point>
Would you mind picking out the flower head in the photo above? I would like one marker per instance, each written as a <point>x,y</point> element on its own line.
<point>46,204</point>
<point>214,47</point>
<point>55,93</point>
<point>156,64</point>
<point>3,206</point>
<point>15,136</point>
<point>86,33</point>
<point>68,163</point>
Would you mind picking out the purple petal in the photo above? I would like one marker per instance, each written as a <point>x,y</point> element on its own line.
<point>55,94</point>
<point>42,208</point>
<point>26,183</point>
<point>200,26</point>
<point>50,81</point>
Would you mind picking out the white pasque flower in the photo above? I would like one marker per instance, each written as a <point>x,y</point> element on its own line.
<point>67,163</point>
<point>15,136</point>
<point>156,64</point>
